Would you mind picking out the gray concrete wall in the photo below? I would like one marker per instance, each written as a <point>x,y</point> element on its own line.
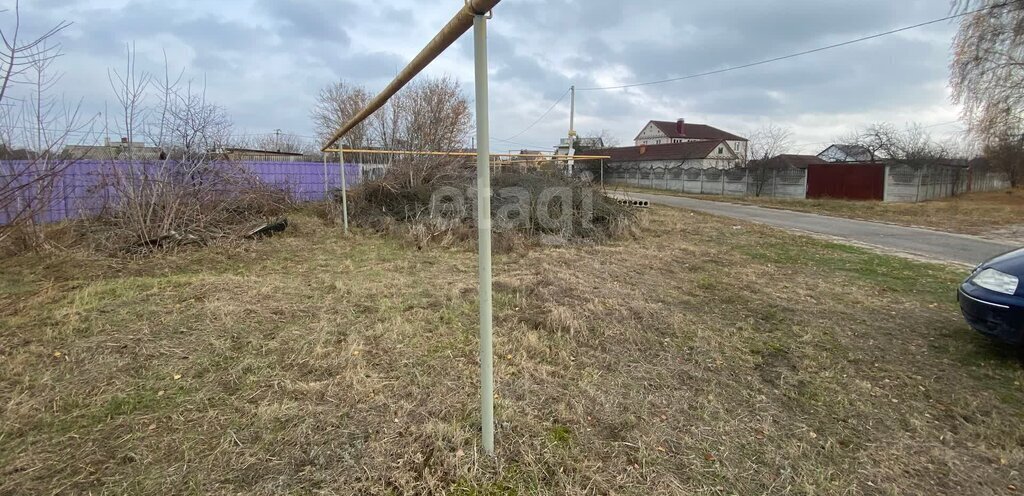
<point>671,176</point>
<point>913,184</point>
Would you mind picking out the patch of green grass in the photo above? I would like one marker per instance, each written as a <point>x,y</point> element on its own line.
<point>888,273</point>
<point>559,435</point>
<point>466,487</point>
<point>129,403</point>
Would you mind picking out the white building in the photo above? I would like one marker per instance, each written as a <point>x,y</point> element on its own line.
<point>666,132</point>
<point>581,143</point>
<point>707,154</point>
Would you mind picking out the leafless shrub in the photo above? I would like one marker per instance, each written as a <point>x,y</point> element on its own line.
<point>188,194</point>
<point>435,203</point>
<point>32,133</point>
<point>158,204</point>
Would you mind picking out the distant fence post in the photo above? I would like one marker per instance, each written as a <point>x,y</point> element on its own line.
<point>919,175</point>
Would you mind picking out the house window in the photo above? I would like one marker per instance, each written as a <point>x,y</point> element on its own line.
<point>719,150</point>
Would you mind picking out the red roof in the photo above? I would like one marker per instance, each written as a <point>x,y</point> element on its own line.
<point>695,131</point>
<point>671,151</point>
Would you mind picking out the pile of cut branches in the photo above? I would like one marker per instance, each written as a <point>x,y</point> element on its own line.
<point>160,205</point>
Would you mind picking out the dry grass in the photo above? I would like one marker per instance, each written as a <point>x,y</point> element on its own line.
<point>997,214</point>
<point>700,359</point>
<point>435,204</point>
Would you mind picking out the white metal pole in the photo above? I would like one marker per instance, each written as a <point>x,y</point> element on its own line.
<point>344,187</point>
<point>483,223</point>
<point>327,189</point>
<point>572,128</point>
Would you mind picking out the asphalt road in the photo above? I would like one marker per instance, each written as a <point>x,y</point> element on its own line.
<point>948,247</point>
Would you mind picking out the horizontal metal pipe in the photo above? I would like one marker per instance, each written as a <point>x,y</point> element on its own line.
<point>462,154</point>
<point>455,28</point>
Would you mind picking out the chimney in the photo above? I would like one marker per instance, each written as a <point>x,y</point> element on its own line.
<point>681,127</point>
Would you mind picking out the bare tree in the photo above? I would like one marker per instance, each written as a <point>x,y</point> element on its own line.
<point>604,137</point>
<point>156,127</point>
<point>437,115</point>
<point>42,125</point>
<point>335,105</point>
<point>130,89</point>
<point>764,144</point>
<point>768,141</point>
<point>1006,158</point>
<point>987,77</point>
<point>912,145</point>
<point>987,71</point>
<point>385,127</point>
<point>277,141</point>
<point>429,114</point>
<point>195,127</point>
<point>18,57</point>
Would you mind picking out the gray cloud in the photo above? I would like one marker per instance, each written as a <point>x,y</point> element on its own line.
<point>265,60</point>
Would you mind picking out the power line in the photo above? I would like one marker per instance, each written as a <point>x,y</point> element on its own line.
<point>273,133</point>
<point>754,64</point>
<point>941,124</point>
<point>798,54</point>
<point>545,114</point>
<point>518,143</point>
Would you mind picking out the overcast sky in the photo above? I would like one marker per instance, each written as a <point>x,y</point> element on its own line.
<point>265,60</point>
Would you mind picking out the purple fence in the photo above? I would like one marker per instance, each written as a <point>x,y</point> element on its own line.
<point>81,189</point>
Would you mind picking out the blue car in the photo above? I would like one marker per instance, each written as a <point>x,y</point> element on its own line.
<point>992,298</point>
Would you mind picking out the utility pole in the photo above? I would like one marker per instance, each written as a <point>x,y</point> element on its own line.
<point>483,226</point>
<point>572,130</point>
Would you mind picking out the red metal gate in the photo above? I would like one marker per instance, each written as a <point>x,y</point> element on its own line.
<point>849,181</point>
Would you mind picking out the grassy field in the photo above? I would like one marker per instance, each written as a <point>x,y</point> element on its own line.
<point>994,214</point>
<point>706,357</point>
